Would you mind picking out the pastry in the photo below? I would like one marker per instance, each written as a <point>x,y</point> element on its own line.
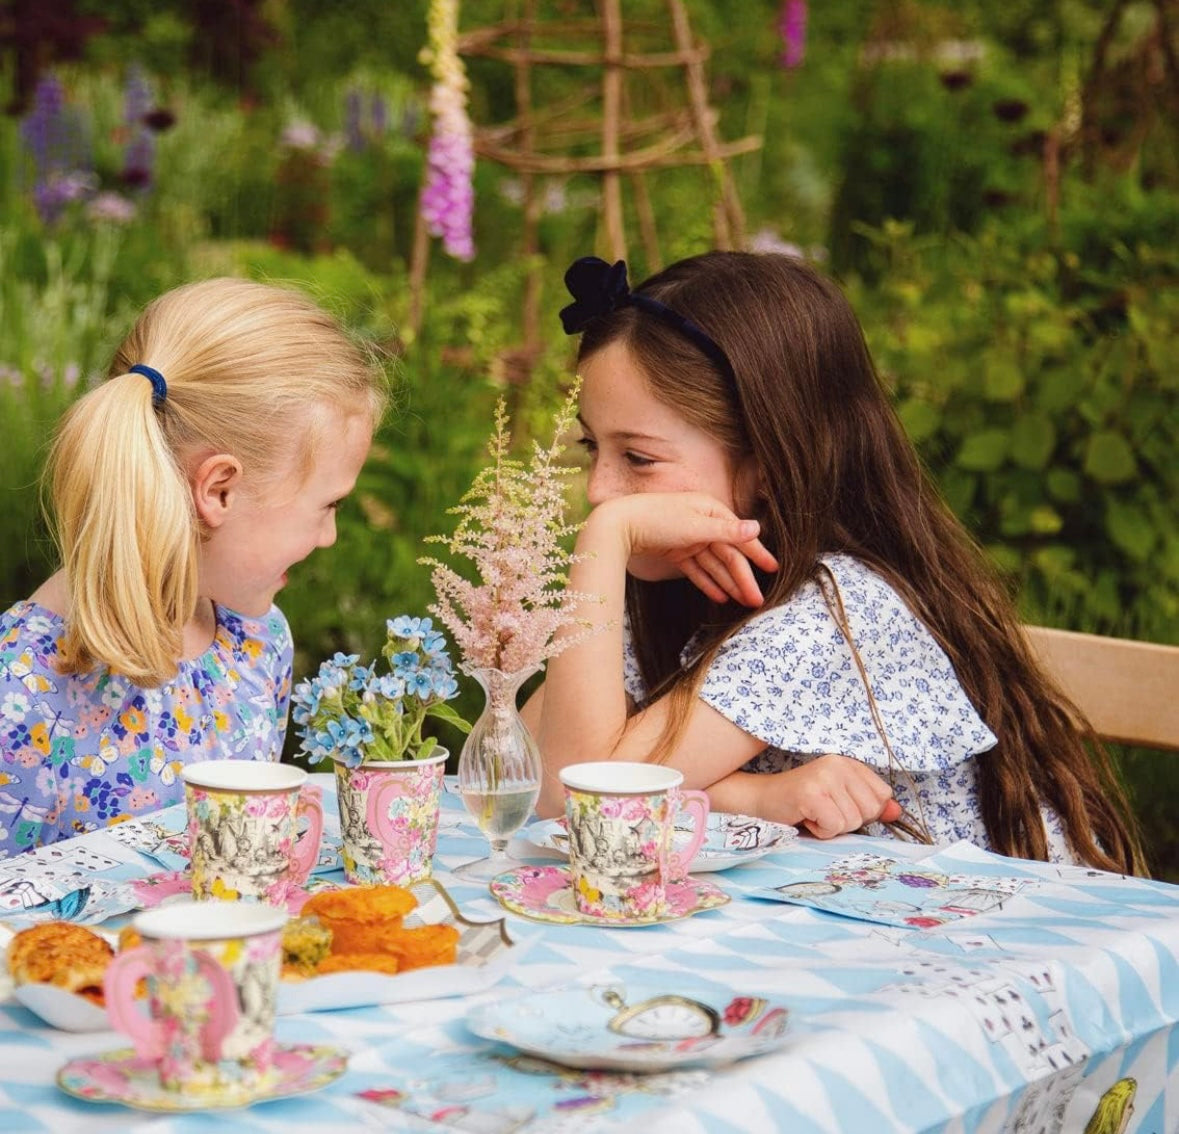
<point>422,945</point>
<point>352,962</point>
<point>360,916</point>
<point>63,954</point>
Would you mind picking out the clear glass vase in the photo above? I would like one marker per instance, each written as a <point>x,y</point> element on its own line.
<point>499,770</point>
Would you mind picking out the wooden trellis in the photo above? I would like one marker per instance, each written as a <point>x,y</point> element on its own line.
<point>603,130</point>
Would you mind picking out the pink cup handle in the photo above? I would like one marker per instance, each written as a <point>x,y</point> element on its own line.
<point>697,803</point>
<point>126,971</point>
<point>378,808</point>
<point>306,851</point>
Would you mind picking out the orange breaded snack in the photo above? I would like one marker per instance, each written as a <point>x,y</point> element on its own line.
<point>129,938</point>
<point>360,915</point>
<point>60,953</point>
<point>422,945</point>
<point>352,962</point>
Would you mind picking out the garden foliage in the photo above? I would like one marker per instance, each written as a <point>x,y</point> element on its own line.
<point>1025,315</point>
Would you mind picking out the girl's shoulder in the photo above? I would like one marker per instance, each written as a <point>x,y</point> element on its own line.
<point>254,642</point>
<point>31,633</point>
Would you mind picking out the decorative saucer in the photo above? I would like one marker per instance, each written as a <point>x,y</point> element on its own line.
<point>123,1077</point>
<point>544,893</point>
<point>729,840</point>
<point>635,1025</point>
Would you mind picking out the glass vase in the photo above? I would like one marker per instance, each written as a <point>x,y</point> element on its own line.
<point>499,770</point>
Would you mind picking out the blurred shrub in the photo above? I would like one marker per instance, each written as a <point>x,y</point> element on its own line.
<point>1044,395</point>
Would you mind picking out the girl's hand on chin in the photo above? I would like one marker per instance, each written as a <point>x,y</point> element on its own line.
<point>700,537</point>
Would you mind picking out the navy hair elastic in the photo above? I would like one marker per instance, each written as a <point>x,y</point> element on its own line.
<point>159,388</point>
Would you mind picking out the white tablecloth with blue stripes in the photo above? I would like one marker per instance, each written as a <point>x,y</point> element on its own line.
<point>1016,1021</point>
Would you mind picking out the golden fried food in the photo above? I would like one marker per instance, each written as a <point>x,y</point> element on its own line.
<point>305,942</point>
<point>352,962</point>
<point>63,954</point>
<point>360,916</point>
<point>422,945</point>
<point>129,938</point>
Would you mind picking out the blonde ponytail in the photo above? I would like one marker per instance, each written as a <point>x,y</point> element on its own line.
<point>126,532</point>
<point>248,367</point>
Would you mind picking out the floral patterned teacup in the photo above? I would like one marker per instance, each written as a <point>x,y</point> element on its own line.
<point>389,818</point>
<point>212,971</point>
<point>621,821</point>
<point>243,829</point>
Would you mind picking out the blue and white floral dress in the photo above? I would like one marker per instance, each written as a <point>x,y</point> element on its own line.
<point>81,752</point>
<point>788,678</point>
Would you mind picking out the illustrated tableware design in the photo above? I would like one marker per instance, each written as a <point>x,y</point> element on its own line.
<point>620,817</point>
<point>211,970</point>
<point>628,1026</point>
<point>730,840</point>
<point>124,1077</point>
<point>486,952</point>
<point>243,829</point>
<point>389,818</point>
<point>545,893</point>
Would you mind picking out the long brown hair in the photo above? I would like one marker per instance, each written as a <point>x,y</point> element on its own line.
<point>839,475</point>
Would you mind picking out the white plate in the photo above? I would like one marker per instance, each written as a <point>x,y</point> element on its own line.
<point>635,1026</point>
<point>730,840</point>
<point>485,953</point>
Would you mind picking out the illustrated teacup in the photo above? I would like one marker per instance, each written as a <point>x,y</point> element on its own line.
<point>211,971</point>
<point>621,822</point>
<point>243,829</point>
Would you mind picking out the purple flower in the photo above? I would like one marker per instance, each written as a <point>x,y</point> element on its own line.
<point>58,141</point>
<point>448,199</point>
<point>140,152</point>
<point>353,126</point>
<point>792,26</point>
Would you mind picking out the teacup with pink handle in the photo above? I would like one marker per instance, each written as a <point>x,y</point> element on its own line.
<point>621,819</point>
<point>211,971</point>
<point>243,829</point>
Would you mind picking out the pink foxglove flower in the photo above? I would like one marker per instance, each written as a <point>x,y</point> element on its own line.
<point>511,527</point>
<point>448,198</point>
<point>792,26</point>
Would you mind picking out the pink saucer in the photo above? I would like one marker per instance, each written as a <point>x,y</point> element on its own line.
<point>122,1077</point>
<point>544,893</point>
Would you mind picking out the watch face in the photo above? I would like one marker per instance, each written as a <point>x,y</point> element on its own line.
<point>666,1018</point>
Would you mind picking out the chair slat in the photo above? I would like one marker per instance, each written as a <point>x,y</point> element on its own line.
<point>1129,690</point>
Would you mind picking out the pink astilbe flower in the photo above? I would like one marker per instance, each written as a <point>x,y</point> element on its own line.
<point>448,198</point>
<point>511,527</point>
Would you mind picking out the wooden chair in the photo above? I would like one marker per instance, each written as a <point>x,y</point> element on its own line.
<point>1129,690</point>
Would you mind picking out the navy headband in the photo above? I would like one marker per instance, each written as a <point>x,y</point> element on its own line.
<point>159,388</point>
<point>599,288</point>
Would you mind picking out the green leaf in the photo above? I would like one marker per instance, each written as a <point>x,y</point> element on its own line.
<point>1045,520</point>
<point>920,419</point>
<point>445,713</point>
<point>983,451</point>
<point>1033,438</point>
<point>1063,485</point>
<point>1130,529</point>
<point>1002,380</point>
<point>1109,458</point>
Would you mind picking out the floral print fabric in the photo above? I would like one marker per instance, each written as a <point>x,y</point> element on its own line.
<point>81,752</point>
<point>788,678</point>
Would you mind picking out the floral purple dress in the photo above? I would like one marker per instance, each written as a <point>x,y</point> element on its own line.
<point>81,752</point>
<point>788,678</point>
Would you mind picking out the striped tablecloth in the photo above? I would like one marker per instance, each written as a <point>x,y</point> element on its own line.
<point>1018,1019</point>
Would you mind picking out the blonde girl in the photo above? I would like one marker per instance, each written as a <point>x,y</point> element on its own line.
<point>234,419</point>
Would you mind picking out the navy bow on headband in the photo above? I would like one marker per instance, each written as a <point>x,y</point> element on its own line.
<point>599,288</point>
